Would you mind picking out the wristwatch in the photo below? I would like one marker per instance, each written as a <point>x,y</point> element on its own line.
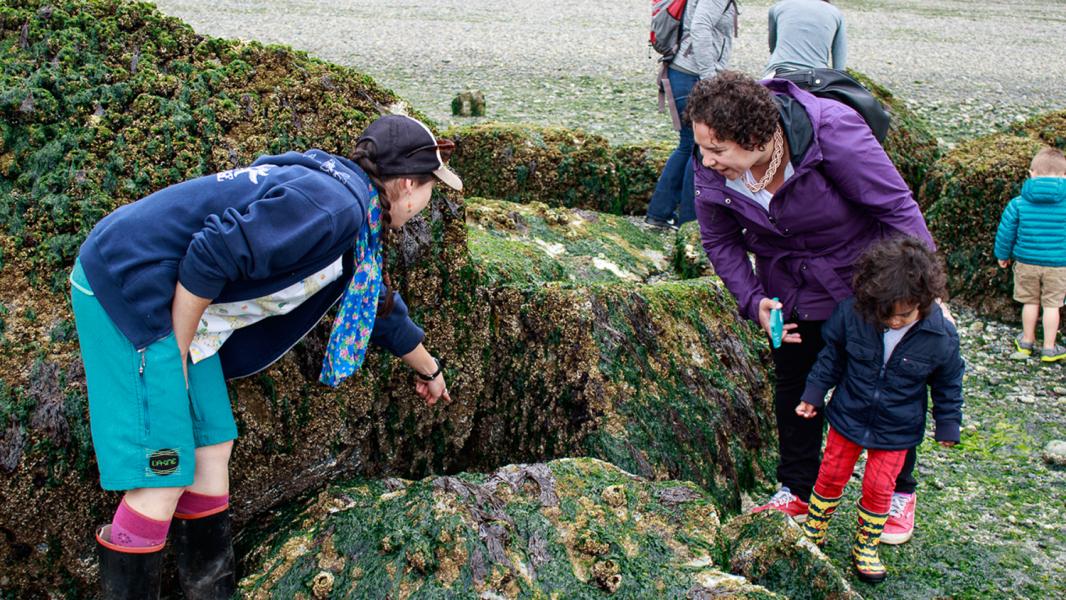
<point>435,373</point>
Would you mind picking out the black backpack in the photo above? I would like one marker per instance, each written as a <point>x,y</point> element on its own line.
<point>839,86</point>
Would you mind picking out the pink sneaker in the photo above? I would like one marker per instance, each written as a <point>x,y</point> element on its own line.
<point>900,525</point>
<point>787,502</point>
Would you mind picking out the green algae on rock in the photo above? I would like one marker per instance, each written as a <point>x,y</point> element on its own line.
<point>910,143</point>
<point>690,259</point>
<point>659,379</point>
<point>566,529</point>
<point>964,197</point>
<point>105,101</point>
<point>529,243</point>
<point>557,166</point>
<point>769,549</point>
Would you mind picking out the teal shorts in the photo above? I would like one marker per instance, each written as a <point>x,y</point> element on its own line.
<point>145,423</point>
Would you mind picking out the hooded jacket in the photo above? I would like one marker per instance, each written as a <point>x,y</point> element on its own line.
<point>844,194</point>
<point>706,43</point>
<point>1032,229</point>
<point>238,235</point>
<point>883,405</point>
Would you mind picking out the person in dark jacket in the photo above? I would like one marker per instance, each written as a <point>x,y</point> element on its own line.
<point>886,351</point>
<point>800,183</point>
<point>216,278</point>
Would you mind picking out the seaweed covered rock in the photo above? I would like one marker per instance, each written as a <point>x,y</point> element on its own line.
<point>965,195</point>
<point>104,102</point>
<point>690,259</point>
<point>567,529</point>
<point>515,243</point>
<point>1049,128</point>
<point>637,168</point>
<point>910,143</point>
<point>558,166</point>
<point>659,378</point>
<point>769,549</point>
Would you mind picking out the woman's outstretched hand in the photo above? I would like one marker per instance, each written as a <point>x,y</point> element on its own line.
<point>431,391</point>
<point>423,363</point>
<point>765,306</point>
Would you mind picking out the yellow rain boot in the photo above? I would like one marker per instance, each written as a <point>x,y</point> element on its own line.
<point>864,551</point>
<point>817,523</point>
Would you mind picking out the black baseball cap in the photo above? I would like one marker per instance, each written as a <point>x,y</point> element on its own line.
<point>405,146</point>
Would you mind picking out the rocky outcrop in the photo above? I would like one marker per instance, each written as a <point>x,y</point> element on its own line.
<point>557,166</point>
<point>106,101</point>
<point>568,529</point>
<point>769,549</point>
<point>964,197</point>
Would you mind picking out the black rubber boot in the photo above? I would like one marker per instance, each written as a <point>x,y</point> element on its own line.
<point>127,575</point>
<point>203,549</point>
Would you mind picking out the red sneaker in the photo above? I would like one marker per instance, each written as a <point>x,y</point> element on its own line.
<point>787,502</point>
<point>900,525</point>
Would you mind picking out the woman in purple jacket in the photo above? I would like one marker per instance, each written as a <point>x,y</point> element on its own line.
<point>800,183</point>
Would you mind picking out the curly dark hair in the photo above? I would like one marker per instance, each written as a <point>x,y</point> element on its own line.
<point>736,107</point>
<point>900,269</point>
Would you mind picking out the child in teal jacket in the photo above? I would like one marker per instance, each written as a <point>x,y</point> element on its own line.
<point>1032,231</point>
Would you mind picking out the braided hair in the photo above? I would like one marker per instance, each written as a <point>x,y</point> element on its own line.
<point>363,155</point>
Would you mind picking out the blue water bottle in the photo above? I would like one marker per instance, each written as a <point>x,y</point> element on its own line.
<point>777,326</point>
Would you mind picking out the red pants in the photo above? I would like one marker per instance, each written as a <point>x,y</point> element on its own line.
<point>882,467</point>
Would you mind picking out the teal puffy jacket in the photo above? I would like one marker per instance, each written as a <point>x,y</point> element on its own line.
<point>1032,229</point>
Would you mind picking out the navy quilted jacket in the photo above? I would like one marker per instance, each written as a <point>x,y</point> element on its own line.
<point>883,405</point>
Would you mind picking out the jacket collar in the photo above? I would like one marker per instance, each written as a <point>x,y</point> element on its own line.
<point>934,322</point>
<point>797,127</point>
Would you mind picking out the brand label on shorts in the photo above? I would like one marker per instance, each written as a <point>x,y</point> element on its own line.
<point>163,462</point>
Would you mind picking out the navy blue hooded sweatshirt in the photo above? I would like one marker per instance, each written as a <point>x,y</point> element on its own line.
<point>238,235</point>
<point>883,405</point>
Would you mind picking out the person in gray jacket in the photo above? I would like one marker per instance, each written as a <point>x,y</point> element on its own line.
<point>803,35</point>
<point>704,50</point>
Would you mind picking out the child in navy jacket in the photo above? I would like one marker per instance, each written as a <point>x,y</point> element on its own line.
<point>886,349</point>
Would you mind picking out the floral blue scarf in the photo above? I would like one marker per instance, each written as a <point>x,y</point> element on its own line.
<point>359,307</point>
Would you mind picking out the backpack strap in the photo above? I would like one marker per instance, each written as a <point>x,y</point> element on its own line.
<point>666,96</point>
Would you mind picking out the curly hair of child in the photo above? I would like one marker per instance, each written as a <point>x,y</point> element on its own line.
<point>900,270</point>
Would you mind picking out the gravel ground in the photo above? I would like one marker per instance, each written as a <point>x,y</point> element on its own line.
<point>968,66</point>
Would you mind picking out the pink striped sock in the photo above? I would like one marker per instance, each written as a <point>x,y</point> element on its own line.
<point>192,505</point>
<point>132,529</point>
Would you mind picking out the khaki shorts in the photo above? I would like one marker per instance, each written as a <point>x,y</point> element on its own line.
<point>1045,286</point>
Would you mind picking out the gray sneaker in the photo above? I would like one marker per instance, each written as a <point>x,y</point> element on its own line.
<point>1025,348</point>
<point>1050,355</point>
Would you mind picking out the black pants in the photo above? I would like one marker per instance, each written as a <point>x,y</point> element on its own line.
<point>800,439</point>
